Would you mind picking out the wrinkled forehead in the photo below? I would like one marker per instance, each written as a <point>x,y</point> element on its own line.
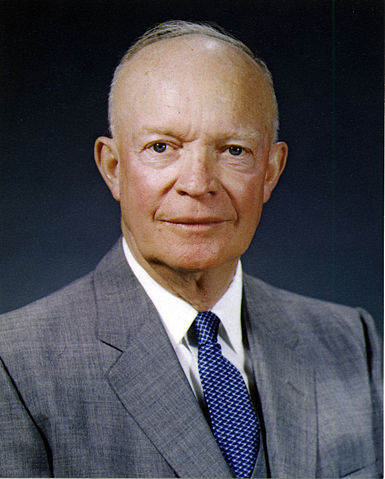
<point>195,66</point>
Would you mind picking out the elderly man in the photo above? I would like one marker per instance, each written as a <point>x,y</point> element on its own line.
<point>167,361</point>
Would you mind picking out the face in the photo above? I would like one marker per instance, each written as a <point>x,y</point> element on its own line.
<point>192,160</point>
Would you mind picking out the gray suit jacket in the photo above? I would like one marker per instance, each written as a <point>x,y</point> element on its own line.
<point>90,386</point>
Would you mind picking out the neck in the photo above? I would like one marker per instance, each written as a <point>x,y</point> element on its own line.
<point>201,289</point>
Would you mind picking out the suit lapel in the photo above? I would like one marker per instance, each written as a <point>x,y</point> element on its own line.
<point>286,387</point>
<point>147,377</point>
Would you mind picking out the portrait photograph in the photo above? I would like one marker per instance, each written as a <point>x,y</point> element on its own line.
<point>166,159</point>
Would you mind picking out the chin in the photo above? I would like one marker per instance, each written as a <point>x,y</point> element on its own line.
<point>198,261</point>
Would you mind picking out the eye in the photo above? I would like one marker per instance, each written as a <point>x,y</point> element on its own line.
<point>159,147</point>
<point>235,150</point>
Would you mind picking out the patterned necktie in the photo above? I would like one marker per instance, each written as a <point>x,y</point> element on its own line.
<point>233,420</point>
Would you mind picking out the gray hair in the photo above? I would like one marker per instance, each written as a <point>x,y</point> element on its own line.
<point>178,28</point>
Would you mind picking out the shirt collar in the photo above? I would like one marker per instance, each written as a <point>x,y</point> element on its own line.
<point>177,315</point>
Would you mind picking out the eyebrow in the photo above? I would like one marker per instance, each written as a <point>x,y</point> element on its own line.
<point>158,129</point>
<point>241,135</point>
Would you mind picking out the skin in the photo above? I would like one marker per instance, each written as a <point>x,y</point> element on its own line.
<point>191,161</point>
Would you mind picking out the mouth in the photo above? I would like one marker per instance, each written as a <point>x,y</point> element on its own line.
<point>195,223</point>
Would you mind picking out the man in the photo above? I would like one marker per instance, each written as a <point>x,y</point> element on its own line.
<point>167,361</point>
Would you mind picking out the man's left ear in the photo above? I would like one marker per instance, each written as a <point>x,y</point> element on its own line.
<point>107,161</point>
<point>275,167</point>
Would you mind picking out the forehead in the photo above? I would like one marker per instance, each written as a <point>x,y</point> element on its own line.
<point>194,54</point>
<point>190,48</point>
<point>196,71</point>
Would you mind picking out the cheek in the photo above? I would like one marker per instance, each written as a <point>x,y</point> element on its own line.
<point>142,192</point>
<point>248,196</point>
<point>135,187</point>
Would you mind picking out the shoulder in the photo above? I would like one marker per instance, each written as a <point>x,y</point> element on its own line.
<point>71,318</point>
<point>261,292</point>
<point>49,319</point>
<point>61,315</point>
<point>308,321</point>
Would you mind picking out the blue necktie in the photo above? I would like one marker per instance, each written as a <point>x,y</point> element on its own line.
<point>233,419</point>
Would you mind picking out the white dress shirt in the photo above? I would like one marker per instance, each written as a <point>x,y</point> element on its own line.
<point>177,316</point>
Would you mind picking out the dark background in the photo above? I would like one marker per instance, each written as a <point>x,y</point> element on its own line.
<point>321,233</point>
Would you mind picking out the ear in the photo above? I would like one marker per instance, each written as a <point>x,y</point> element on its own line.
<point>107,161</point>
<point>275,167</point>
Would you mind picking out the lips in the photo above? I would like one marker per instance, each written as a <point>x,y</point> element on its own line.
<point>194,221</point>
<point>194,225</point>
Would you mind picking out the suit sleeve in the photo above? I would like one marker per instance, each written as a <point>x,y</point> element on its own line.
<point>374,360</point>
<point>23,452</point>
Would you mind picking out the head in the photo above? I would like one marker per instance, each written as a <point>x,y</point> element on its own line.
<point>193,155</point>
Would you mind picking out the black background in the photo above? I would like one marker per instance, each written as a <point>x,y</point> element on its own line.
<point>321,233</point>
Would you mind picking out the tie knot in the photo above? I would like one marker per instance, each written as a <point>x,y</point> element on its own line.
<point>206,326</point>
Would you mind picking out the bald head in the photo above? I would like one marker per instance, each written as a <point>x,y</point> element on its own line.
<point>180,49</point>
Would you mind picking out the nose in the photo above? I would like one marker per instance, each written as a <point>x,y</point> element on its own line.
<point>196,175</point>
